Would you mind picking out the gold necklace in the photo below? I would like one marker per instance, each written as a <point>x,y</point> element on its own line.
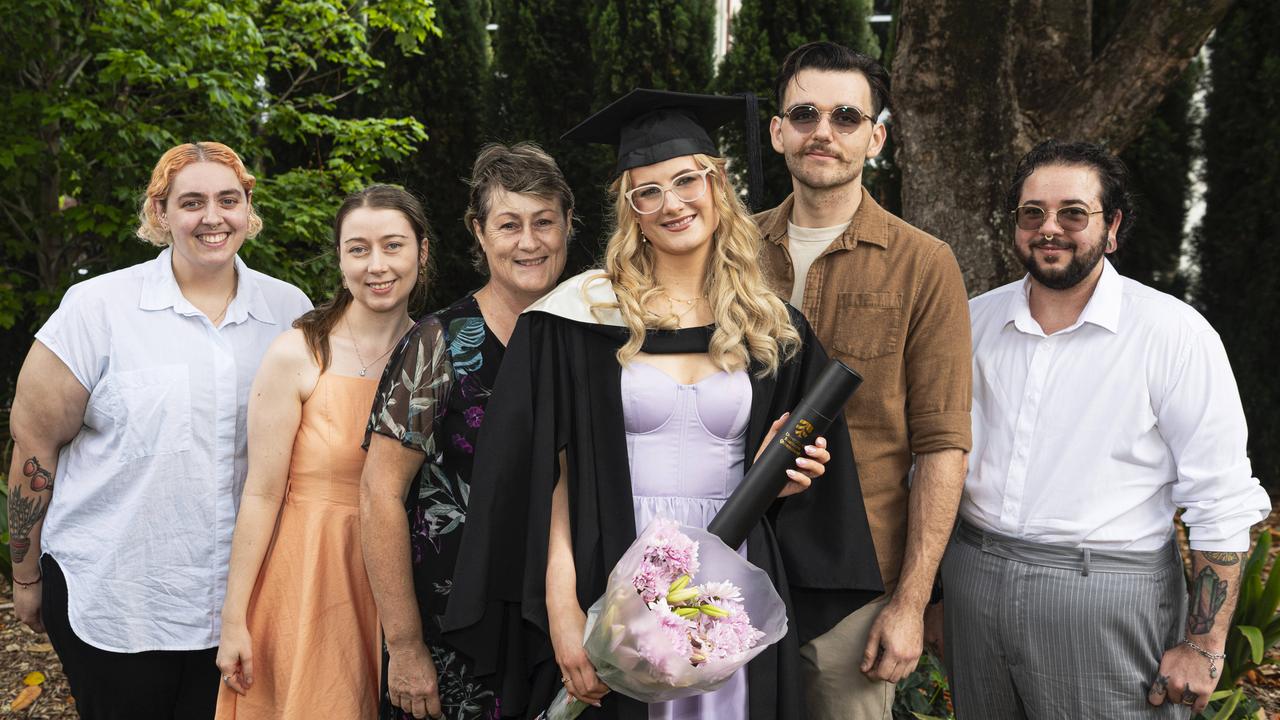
<point>364,367</point>
<point>689,305</point>
<point>235,284</point>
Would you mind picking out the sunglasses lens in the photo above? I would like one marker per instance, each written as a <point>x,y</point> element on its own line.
<point>846,119</point>
<point>1073,219</point>
<point>1029,218</point>
<point>803,116</point>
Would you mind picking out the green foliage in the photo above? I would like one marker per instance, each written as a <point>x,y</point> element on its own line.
<point>1255,626</point>
<point>556,62</point>
<point>923,694</point>
<point>664,44</point>
<point>6,561</point>
<point>541,86</point>
<point>764,31</point>
<point>1238,287</point>
<point>91,93</point>
<point>443,85</point>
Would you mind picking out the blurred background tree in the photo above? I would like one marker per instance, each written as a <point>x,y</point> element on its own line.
<point>1236,252</point>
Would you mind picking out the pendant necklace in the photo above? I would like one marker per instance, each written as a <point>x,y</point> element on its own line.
<point>364,367</point>
<point>687,303</point>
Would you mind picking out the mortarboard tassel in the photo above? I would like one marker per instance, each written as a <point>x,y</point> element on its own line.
<point>755,172</point>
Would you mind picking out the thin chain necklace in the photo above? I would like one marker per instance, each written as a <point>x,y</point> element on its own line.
<point>235,284</point>
<point>689,304</point>
<point>364,366</point>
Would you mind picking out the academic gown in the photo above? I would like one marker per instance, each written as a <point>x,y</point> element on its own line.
<point>560,387</point>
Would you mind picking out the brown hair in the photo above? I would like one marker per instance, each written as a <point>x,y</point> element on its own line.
<point>825,56</point>
<point>171,163</point>
<point>520,168</point>
<point>318,323</point>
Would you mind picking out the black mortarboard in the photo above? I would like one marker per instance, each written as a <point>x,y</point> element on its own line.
<point>649,126</point>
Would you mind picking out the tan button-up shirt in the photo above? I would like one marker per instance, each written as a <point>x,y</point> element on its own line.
<point>889,301</point>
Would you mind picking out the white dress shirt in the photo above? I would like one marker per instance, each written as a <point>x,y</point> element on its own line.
<point>1092,436</point>
<point>146,494</point>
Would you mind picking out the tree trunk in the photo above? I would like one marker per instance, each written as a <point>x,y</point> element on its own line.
<point>977,83</point>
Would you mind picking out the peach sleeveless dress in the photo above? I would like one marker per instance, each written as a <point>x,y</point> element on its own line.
<point>311,615</point>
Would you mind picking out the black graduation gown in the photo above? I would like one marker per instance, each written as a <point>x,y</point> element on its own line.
<point>560,387</point>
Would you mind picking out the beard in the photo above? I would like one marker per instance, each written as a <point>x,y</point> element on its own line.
<point>840,173</point>
<point>1061,276</point>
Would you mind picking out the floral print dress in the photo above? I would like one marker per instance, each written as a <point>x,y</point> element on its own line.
<point>432,398</point>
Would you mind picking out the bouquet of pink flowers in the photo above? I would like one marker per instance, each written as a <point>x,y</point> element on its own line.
<point>657,634</point>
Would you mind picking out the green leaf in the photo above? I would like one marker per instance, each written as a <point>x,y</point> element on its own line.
<point>1229,706</point>
<point>1254,636</point>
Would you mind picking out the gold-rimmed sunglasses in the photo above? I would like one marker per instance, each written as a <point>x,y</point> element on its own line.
<point>1072,218</point>
<point>844,119</point>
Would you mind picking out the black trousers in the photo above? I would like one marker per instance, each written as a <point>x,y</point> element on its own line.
<point>153,685</point>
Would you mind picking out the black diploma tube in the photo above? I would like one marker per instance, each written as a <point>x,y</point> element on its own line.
<point>768,475</point>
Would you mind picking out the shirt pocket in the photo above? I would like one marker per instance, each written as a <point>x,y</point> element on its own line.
<point>867,324</point>
<point>154,410</point>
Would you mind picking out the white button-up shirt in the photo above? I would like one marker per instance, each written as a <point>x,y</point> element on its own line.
<point>1092,436</point>
<point>146,494</point>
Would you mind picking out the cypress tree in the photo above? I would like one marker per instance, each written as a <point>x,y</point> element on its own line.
<point>1239,288</point>
<point>558,61</point>
<point>764,31</point>
<point>542,86</point>
<point>440,88</point>
<point>664,44</point>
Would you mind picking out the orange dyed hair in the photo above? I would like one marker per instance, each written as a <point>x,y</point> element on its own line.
<point>171,163</point>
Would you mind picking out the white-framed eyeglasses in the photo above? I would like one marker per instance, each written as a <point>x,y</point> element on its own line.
<point>649,198</point>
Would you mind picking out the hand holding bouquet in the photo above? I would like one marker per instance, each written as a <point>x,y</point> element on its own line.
<point>659,634</point>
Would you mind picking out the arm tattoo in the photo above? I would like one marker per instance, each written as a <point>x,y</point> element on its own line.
<point>1222,558</point>
<point>27,510</point>
<point>1208,593</point>
<point>24,512</point>
<point>40,478</point>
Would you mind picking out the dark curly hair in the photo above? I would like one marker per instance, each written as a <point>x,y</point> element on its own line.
<point>1113,176</point>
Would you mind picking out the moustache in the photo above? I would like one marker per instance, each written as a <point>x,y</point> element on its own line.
<point>1052,244</point>
<point>824,149</point>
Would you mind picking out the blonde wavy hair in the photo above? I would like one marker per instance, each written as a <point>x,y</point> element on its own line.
<point>751,321</point>
<point>170,164</point>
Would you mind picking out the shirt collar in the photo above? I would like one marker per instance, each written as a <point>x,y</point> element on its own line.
<point>870,224</point>
<point>160,291</point>
<point>1103,308</point>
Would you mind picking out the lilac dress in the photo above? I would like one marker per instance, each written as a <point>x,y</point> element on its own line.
<point>685,446</point>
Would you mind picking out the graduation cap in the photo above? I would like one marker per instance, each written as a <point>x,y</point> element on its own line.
<point>649,126</point>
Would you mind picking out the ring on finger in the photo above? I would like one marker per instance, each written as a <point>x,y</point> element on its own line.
<point>1189,698</point>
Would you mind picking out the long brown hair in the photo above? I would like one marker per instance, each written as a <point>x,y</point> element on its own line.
<point>317,324</point>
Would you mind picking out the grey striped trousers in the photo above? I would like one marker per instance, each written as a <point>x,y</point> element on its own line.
<point>1043,631</point>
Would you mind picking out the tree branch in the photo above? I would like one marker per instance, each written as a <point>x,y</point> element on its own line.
<point>1126,82</point>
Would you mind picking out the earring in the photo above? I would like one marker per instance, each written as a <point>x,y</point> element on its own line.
<point>643,237</point>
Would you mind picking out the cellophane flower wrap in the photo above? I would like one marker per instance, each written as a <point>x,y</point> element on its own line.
<point>681,613</point>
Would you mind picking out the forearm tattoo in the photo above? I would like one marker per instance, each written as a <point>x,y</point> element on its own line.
<point>27,510</point>
<point>1222,558</point>
<point>1208,593</point>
